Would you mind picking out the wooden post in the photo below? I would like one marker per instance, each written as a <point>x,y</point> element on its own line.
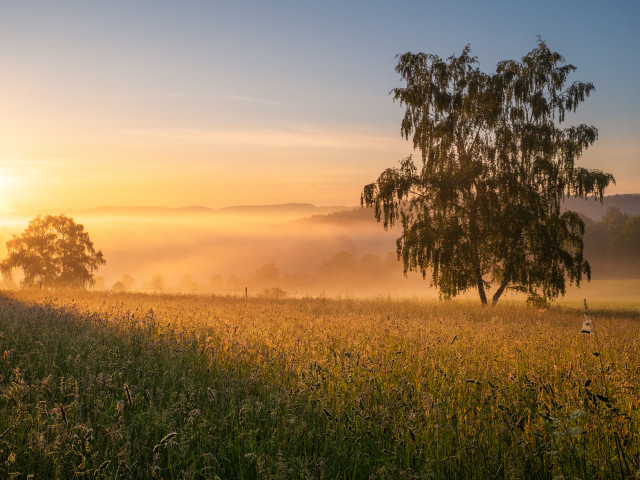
<point>246,293</point>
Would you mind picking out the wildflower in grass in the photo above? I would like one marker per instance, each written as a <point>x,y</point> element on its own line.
<point>586,323</point>
<point>569,432</point>
<point>577,414</point>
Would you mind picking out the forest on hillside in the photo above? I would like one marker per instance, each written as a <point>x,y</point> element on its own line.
<point>612,245</point>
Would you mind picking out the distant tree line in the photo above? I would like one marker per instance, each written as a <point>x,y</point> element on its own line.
<point>343,271</point>
<point>612,244</point>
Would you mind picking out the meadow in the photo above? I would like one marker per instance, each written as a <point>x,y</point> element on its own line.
<point>104,385</point>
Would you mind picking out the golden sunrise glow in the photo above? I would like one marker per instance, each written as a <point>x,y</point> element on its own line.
<point>220,167</point>
<point>10,186</point>
<point>195,167</point>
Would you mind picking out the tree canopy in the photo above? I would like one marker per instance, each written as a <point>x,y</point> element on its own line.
<point>53,252</point>
<point>484,209</point>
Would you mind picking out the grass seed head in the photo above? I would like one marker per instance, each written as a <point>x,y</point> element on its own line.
<point>126,387</point>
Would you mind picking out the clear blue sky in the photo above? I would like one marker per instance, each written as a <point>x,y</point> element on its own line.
<point>221,102</point>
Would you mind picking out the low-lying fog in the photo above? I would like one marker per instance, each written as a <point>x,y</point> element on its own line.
<point>294,249</point>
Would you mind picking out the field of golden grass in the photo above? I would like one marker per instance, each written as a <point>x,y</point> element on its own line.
<point>101,385</point>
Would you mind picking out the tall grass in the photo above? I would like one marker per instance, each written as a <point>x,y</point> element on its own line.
<point>141,386</point>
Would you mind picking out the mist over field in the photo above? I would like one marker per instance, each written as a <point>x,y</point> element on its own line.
<point>224,251</point>
<point>296,249</point>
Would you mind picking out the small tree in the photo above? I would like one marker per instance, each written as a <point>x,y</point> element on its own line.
<point>53,251</point>
<point>486,206</point>
<point>158,282</point>
<point>128,281</point>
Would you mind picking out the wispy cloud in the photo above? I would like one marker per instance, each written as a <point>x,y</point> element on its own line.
<point>271,103</point>
<point>181,96</point>
<point>136,96</point>
<point>27,166</point>
<point>295,137</point>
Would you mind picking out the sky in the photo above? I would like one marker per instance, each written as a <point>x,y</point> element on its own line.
<point>220,103</point>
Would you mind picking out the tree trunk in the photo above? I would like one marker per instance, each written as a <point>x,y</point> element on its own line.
<point>500,290</point>
<point>473,234</point>
<point>481,292</point>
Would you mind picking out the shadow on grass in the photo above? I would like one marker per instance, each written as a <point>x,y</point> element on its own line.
<point>83,395</point>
